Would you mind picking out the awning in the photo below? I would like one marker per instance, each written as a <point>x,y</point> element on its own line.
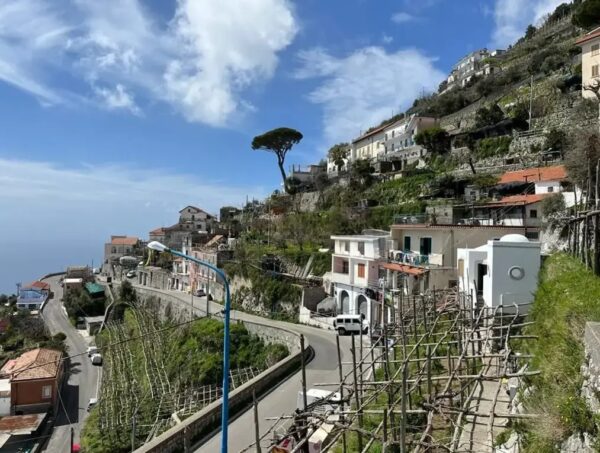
<point>404,268</point>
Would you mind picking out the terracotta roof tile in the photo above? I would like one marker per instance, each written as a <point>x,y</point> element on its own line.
<point>37,285</point>
<point>404,268</point>
<point>554,173</point>
<point>589,36</point>
<point>522,199</point>
<point>124,240</point>
<point>35,364</point>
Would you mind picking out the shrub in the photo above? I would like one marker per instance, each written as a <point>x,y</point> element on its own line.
<point>553,205</point>
<point>435,140</point>
<point>491,147</point>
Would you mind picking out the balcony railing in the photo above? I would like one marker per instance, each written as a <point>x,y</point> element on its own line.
<point>416,259</point>
<point>411,219</point>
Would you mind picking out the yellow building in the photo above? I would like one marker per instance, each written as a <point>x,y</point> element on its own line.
<point>590,61</point>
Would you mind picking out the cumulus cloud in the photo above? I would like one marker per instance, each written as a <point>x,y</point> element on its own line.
<point>362,89</point>
<point>512,17</point>
<point>200,61</point>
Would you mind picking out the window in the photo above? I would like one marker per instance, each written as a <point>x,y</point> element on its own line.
<point>550,189</point>
<point>345,246</point>
<point>407,243</point>
<point>425,246</point>
<point>193,217</point>
<point>114,250</point>
<point>345,267</point>
<point>361,248</point>
<point>361,270</point>
<point>46,392</point>
<point>595,50</point>
<point>595,70</point>
<point>393,134</point>
<point>533,213</point>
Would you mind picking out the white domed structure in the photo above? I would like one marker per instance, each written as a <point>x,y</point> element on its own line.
<point>513,238</point>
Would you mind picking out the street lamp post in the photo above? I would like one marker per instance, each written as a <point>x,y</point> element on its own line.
<point>155,245</point>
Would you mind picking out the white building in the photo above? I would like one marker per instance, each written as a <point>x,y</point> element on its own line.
<point>368,145</point>
<point>399,139</point>
<point>503,271</point>
<point>355,273</point>
<point>590,61</point>
<point>477,63</point>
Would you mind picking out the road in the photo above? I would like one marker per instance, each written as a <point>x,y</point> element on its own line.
<point>282,399</point>
<point>82,376</point>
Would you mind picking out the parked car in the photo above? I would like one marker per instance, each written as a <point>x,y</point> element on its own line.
<point>91,350</point>
<point>200,293</point>
<point>96,359</point>
<point>354,324</point>
<point>130,274</point>
<point>91,403</point>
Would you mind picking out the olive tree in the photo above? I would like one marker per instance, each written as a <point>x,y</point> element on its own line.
<point>278,141</point>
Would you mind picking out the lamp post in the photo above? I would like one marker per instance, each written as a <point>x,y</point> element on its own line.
<point>155,245</point>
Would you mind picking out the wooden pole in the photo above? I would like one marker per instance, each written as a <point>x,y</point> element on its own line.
<point>341,374</point>
<point>403,421</point>
<point>256,427</point>
<point>356,396</point>
<point>385,430</point>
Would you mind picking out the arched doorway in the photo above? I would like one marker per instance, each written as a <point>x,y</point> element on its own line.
<point>363,305</point>
<point>344,302</point>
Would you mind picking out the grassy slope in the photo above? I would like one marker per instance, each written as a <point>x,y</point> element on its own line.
<point>568,296</point>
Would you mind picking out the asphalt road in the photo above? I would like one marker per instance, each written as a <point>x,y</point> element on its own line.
<point>283,398</point>
<point>82,375</point>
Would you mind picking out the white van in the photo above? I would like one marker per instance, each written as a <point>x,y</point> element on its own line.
<point>350,324</point>
<point>331,400</point>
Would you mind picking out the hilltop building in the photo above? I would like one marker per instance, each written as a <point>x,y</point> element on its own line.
<point>193,222</point>
<point>590,61</point>
<point>478,63</point>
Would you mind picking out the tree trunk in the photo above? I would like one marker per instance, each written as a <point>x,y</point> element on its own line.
<point>472,166</point>
<point>283,175</point>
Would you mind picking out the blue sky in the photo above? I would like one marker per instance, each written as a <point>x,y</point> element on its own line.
<point>116,114</point>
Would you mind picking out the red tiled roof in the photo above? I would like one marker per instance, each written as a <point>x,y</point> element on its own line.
<point>124,240</point>
<point>554,173</point>
<point>522,199</point>
<point>38,285</point>
<point>404,268</point>
<point>35,364</point>
<point>589,36</point>
<point>160,230</point>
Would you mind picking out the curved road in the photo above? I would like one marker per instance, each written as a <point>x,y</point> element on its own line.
<point>282,399</point>
<point>82,381</point>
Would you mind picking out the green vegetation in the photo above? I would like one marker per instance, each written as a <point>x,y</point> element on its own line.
<point>435,140</point>
<point>488,116</point>
<point>492,147</point>
<point>587,13</point>
<point>79,303</point>
<point>566,299</point>
<point>22,332</point>
<point>187,358</point>
<point>338,154</point>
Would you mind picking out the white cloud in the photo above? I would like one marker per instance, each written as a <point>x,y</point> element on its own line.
<point>387,39</point>
<point>117,98</point>
<point>200,61</point>
<point>512,17</point>
<point>402,17</point>
<point>365,87</point>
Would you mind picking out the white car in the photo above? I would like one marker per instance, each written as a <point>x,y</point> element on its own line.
<point>352,324</point>
<point>96,359</point>
<point>130,274</point>
<point>91,403</point>
<point>91,350</point>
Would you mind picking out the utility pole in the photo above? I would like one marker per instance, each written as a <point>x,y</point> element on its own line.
<point>72,439</point>
<point>530,101</point>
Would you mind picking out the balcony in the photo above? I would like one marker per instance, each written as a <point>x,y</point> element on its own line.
<point>344,279</point>
<point>412,219</point>
<point>416,259</point>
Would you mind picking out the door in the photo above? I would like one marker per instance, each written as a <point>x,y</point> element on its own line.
<point>481,271</point>
<point>425,246</point>
<point>407,243</point>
